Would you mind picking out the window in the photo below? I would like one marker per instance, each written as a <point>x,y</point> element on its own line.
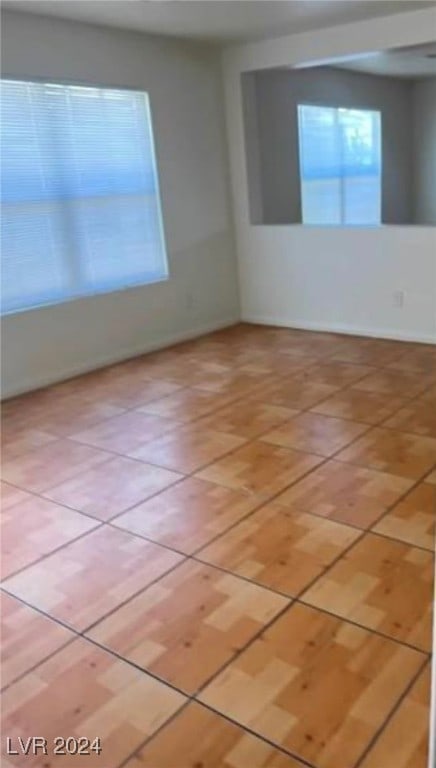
<point>80,200</point>
<point>340,165</point>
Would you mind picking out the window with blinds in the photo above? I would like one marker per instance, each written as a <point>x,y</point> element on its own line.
<point>80,198</point>
<point>340,165</point>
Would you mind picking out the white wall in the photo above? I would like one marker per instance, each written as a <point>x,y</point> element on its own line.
<point>185,87</point>
<point>328,278</point>
<point>424,149</point>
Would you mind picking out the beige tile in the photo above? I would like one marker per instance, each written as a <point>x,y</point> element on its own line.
<point>194,613</point>
<point>187,450</point>
<point>413,519</point>
<point>226,745</point>
<point>92,576</point>
<point>42,468</point>
<point>404,741</point>
<point>315,433</point>
<point>401,454</point>
<point>27,638</point>
<point>83,691</point>
<point>345,493</point>
<point>34,528</point>
<point>125,433</point>
<point>366,407</point>
<point>280,549</point>
<point>285,685</point>
<point>110,488</point>
<point>259,468</point>
<point>384,585</point>
<point>187,515</point>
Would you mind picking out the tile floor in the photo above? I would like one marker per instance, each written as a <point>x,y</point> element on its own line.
<point>220,555</point>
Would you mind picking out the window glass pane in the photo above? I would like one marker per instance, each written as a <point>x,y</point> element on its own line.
<point>340,165</point>
<point>81,208</point>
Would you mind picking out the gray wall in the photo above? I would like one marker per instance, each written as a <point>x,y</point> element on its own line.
<point>278,92</point>
<point>185,87</point>
<point>424,151</point>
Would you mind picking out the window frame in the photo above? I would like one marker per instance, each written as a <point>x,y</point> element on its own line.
<point>329,105</point>
<point>105,290</point>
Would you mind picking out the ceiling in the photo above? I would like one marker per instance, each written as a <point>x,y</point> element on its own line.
<point>412,63</point>
<point>217,21</point>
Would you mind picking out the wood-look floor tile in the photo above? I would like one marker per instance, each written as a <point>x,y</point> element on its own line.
<point>387,450</point>
<point>18,440</point>
<point>388,382</point>
<point>260,468</point>
<point>187,404</point>
<point>375,352</point>
<point>235,383</point>
<point>187,515</point>
<point>429,395</point>
<point>15,408</point>
<point>131,391</point>
<point>27,638</point>
<point>295,393</point>
<point>405,739</point>
<point>35,527</point>
<point>366,407</point>
<point>126,432</point>
<point>345,493</point>
<point>214,394</point>
<point>413,519</point>
<point>280,549</point>
<point>248,418</point>
<point>167,367</point>
<point>187,449</point>
<point>42,468</point>
<point>188,624</point>
<point>68,417</point>
<point>383,584</point>
<point>88,578</point>
<point>315,685</point>
<point>110,488</point>
<point>323,435</point>
<point>431,478</point>
<point>58,407</point>
<point>84,691</point>
<point>62,415</point>
<point>222,745</point>
<point>10,495</point>
<point>335,373</point>
<point>417,360</point>
<point>277,363</point>
<point>418,417</point>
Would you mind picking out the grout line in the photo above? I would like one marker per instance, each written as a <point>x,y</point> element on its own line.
<point>371,630</point>
<point>155,733</point>
<point>191,474</point>
<point>45,658</point>
<point>176,482</point>
<point>301,761</point>
<point>419,479</point>
<point>390,715</point>
<point>195,559</point>
<point>54,551</point>
<point>99,524</point>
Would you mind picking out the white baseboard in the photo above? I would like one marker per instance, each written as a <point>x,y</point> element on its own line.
<point>380,333</point>
<point>125,354</point>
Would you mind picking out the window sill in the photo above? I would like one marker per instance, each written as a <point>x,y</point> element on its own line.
<point>104,291</point>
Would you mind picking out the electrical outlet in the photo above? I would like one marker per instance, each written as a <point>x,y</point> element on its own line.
<point>398,298</point>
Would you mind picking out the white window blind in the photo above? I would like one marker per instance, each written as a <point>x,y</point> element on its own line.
<point>340,165</point>
<point>80,199</point>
